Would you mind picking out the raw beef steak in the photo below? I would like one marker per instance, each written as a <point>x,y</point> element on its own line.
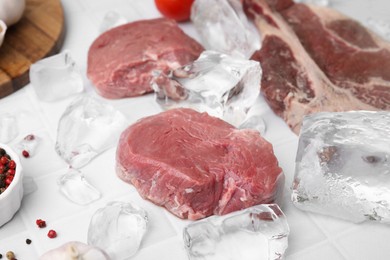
<point>121,60</point>
<point>316,59</point>
<point>196,165</point>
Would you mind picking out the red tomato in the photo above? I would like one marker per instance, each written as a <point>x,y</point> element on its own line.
<point>179,10</point>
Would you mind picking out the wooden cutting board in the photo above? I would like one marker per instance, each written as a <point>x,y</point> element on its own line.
<point>40,33</point>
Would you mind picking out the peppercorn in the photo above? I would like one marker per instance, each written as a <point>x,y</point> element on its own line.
<point>41,223</point>
<point>4,160</point>
<point>28,241</point>
<point>52,233</point>
<point>1,256</point>
<point>12,164</point>
<point>25,154</point>
<point>2,152</point>
<point>10,255</point>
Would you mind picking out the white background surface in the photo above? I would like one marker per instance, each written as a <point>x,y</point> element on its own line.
<point>312,236</point>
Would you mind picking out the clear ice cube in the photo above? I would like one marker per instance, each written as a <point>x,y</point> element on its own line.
<point>77,189</point>
<point>118,229</point>
<point>56,77</point>
<point>254,122</point>
<point>256,233</point>
<point>315,2</point>
<point>224,27</point>
<point>216,83</point>
<point>8,128</point>
<point>381,27</point>
<point>87,128</point>
<point>343,165</point>
<point>110,20</point>
<point>29,143</point>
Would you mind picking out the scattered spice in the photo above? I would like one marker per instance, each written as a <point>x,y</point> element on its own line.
<point>28,241</point>
<point>25,154</point>
<point>40,223</point>
<point>10,255</point>
<point>52,233</point>
<point>1,256</point>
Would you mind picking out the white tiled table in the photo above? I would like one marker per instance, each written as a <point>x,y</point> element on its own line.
<point>312,236</point>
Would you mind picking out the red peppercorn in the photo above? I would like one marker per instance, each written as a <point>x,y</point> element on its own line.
<point>4,160</point>
<point>52,233</point>
<point>12,164</point>
<point>2,167</point>
<point>40,223</point>
<point>11,172</point>
<point>25,154</point>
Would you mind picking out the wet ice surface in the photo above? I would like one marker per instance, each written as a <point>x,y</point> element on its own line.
<point>216,83</point>
<point>254,122</point>
<point>343,165</point>
<point>8,128</point>
<point>223,26</point>
<point>29,143</point>
<point>315,2</point>
<point>257,233</point>
<point>56,77</point>
<point>118,229</point>
<point>381,27</point>
<point>87,128</point>
<point>110,20</point>
<point>77,189</point>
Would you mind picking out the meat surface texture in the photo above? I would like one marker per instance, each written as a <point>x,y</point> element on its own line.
<point>196,165</point>
<point>121,60</point>
<point>316,59</point>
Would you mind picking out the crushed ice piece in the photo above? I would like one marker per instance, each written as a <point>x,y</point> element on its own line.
<point>224,27</point>
<point>118,229</point>
<point>110,20</point>
<point>29,143</point>
<point>343,165</point>
<point>256,233</point>
<point>315,2</point>
<point>216,83</point>
<point>75,251</point>
<point>77,189</point>
<point>8,128</point>
<point>56,77</point>
<point>87,128</point>
<point>254,122</point>
<point>380,27</point>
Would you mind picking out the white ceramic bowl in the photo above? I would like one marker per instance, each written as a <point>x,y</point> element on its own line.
<point>3,29</point>
<point>11,198</point>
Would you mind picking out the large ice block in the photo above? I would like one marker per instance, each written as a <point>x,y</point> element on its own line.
<point>256,233</point>
<point>343,165</point>
<point>215,83</point>
<point>56,77</point>
<point>87,128</point>
<point>118,229</point>
<point>223,26</point>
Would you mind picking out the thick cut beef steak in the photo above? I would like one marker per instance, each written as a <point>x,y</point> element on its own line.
<point>196,165</point>
<point>121,60</point>
<point>316,59</point>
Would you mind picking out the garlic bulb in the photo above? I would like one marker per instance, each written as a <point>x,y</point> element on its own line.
<point>75,251</point>
<point>11,10</point>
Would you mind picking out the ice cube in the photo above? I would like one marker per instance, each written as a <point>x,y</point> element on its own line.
<point>216,83</point>
<point>8,128</point>
<point>118,229</point>
<point>87,128</point>
<point>258,233</point>
<point>29,143</point>
<point>223,26</point>
<point>75,250</point>
<point>77,189</point>
<point>343,165</point>
<point>315,2</point>
<point>110,20</point>
<point>56,77</point>
<point>380,27</point>
<point>254,122</point>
